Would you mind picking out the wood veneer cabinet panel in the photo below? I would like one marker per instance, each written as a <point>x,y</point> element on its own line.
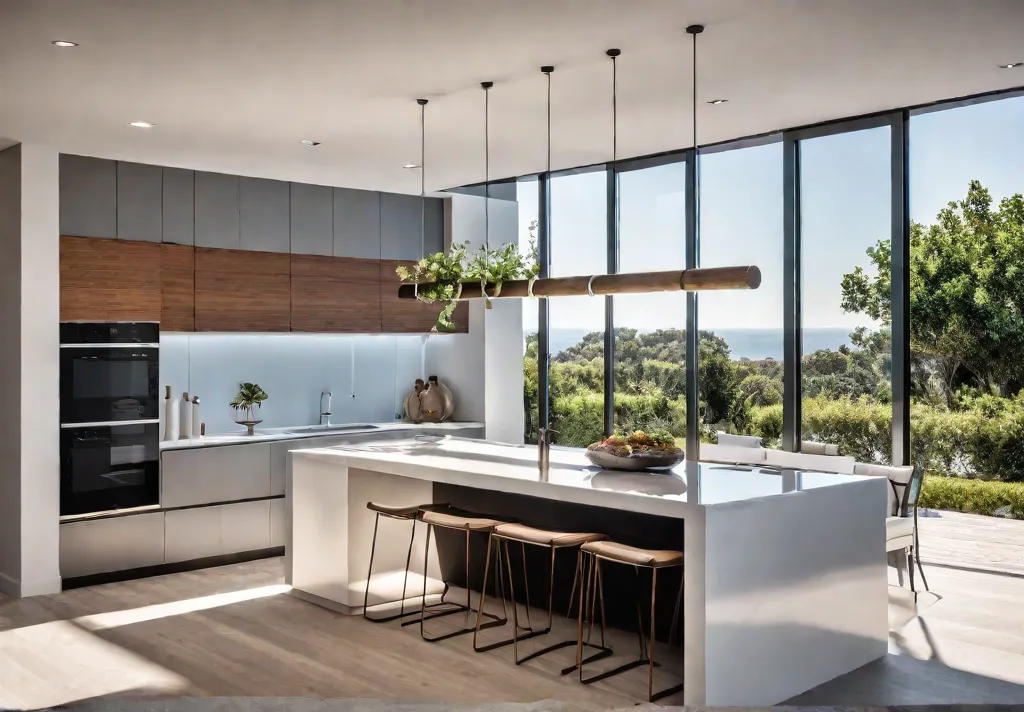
<point>335,294</point>
<point>238,290</point>
<point>410,315</point>
<point>177,288</point>
<point>109,280</point>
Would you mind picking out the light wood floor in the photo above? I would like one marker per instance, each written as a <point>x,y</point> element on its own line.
<point>232,631</point>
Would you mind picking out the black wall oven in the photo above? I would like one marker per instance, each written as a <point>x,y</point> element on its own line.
<point>110,418</point>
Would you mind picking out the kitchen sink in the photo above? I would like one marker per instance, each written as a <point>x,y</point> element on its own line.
<point>330,428</point>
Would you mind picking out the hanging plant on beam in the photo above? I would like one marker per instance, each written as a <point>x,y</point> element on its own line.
<point>439,278</point>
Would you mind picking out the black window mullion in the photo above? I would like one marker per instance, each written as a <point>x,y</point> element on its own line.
<point>900,286</point>
<point>543,317</point>
<point>692,336</point>
<point>792,328</point>
<point>612,223</point>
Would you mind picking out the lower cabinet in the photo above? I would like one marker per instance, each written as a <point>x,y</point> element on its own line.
<point>105,545</point>
<point>214,474</point>
<point>278,523</point>
<point>214,531</point>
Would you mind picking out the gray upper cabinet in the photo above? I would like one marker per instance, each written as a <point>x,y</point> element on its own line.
<point>88,196</point>
<point>139,202</point>
<point>357,224</point>
<point>312,219</point>
<point>264,208</point>
<point>179,214</point>
<point>216,210</point>
<point>400,227</point>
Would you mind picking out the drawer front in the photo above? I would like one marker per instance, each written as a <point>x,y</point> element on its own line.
<point>215,474</point>
<point>278,523</point>
<point>115,544</point>
<point>218,530</point>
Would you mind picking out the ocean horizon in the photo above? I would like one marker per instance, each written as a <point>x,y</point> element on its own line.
<point>754,344</point>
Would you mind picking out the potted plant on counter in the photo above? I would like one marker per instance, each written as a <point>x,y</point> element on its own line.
<point>250,397</point>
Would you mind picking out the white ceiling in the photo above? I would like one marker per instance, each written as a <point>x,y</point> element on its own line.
<point>233,85</point>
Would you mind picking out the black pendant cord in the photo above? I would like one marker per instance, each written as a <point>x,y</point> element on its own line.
<point>423,184</point>
<point>547,70</point>
<point>487,168</point>
<point>614,54</point>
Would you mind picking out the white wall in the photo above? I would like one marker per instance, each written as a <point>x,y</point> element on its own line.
<point>29,371</point>
<point>368,375</point>
<point>489,359</point>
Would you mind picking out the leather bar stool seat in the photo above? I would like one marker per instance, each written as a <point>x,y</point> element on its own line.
<point>634,556</point>
<point>543,537</point>
<point>469,522</point>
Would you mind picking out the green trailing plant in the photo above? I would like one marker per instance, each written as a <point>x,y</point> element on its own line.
<point>250,396</point>
<point>439,277</point>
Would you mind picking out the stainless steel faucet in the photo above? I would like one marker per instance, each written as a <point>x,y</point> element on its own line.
<point>325,413</point>
<point>544,450</point>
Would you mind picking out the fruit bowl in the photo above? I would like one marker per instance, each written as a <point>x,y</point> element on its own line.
<point>636,451</point>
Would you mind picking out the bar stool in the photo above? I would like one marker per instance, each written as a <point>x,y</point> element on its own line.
<point>469,523</point>
<point>402,513</point>
<point>652,559</point>
<point>502,535</point>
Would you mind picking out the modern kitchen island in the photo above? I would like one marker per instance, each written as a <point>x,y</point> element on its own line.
<point>784,576</point>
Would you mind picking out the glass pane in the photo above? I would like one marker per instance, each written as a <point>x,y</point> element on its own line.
<point>579,246</point>
<point>845,205</point>
<point>527,197</point>
<point>650,337</point>
<point>966,298</point>
<point>741,332</point>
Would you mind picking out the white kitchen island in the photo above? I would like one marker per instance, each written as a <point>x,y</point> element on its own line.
<point>784,583</point>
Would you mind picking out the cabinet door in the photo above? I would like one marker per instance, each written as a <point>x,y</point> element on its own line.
<point>238,290</point>
<point>100,546</point>
<point>400,227</point>
<point>356,223</point>
<point>88,196</point>
<point>263,211</point>
<point>216,210</point>
<point>434,219</point>
<point>245,527</point>
<point>214,474</point>
<point>109,280</point>
<point>410,315</point>
<point>139,202</point>
<point>312,219</point>
<point>177,288</point>
<point>179,209</point>
<point>335,294</point>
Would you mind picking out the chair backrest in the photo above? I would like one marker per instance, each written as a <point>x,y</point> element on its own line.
<point>810,447</point>
<point>731,454</point>
<point>905,485</point>
<point>802,461</point>
<point>738,440</point>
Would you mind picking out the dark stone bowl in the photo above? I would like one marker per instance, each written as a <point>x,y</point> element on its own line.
<point>608,461</point>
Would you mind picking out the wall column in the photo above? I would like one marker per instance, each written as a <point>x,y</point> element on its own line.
<point>29,371</point>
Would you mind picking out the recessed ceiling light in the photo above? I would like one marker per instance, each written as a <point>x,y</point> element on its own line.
<point>1011,65</point>
<point>63,43</point>
<point>309,142</point>
<point>141,124</point>
<point>716,102</point>
<point>411,165</point>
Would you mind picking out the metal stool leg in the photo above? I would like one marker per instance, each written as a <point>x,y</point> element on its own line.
<point>405,582</point>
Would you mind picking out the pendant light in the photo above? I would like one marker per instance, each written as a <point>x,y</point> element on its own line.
<point>486,86</point>
<point>693,31</point>
<point>614,54</point>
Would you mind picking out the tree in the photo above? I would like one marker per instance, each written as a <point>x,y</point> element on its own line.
<point>966,289</point>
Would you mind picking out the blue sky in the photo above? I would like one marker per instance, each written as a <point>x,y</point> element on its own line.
<point>845,204</point>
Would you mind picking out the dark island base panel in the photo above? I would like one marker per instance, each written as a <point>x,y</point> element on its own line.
<point>622,590</point>
<point>175,568</point>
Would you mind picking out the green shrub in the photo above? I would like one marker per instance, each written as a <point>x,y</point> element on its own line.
<point>861,428</point>
<point>975,496</point>
<point>578,419</point>
<point>766,422</point>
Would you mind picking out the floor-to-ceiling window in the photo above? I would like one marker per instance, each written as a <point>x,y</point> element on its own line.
<point>527,197</point>
<point>579,246</point>
<point>845,219</point>
<point>741,332</point>
<point>966,169</point>
<point>650,368</point>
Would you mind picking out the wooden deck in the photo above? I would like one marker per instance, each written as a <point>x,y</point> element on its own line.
<point>233,631</point>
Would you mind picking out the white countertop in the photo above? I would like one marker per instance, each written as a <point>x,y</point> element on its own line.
<point>272,434</point>
<point>571,477</point>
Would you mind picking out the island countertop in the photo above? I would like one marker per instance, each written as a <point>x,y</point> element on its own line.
<point>571,477</point>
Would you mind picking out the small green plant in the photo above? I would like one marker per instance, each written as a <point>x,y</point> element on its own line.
<point>439,277</point>
<point>250,396</point>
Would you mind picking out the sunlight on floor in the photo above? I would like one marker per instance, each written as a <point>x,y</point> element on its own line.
<point>63,661</point>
